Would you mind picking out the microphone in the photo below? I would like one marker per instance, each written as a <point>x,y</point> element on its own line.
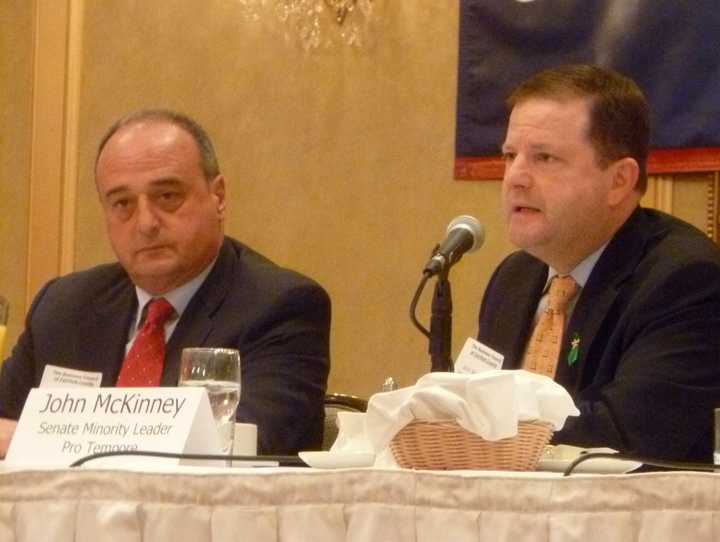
<point>464,234</point>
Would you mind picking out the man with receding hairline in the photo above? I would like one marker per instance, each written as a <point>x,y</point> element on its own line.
<point>164,203</point>
<point>640,348</point>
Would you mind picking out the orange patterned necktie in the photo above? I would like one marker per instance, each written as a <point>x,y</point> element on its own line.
<point>143,364</point>
<point>543,350</point>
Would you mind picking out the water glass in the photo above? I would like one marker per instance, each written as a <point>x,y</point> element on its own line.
<point>218,371</point>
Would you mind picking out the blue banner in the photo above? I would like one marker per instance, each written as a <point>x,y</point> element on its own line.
<point>671,48</point>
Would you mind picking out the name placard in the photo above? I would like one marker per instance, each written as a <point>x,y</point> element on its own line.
<point>60,425</point>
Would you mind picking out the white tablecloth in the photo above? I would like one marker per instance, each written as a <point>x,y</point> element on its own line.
<point>87,505</point>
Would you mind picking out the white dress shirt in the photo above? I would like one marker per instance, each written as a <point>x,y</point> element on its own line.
<point>178,298</point>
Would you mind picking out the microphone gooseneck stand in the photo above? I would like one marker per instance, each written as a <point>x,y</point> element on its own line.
<point>440,333</point>
<point>464,234</point>
<point>441,325</point>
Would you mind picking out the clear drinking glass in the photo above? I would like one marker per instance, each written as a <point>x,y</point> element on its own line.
<point>218,371</point>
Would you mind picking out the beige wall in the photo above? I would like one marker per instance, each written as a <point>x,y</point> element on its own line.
<point>339,159</point>
<point>16,48</point>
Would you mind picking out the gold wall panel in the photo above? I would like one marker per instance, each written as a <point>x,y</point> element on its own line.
<point>16,47</point>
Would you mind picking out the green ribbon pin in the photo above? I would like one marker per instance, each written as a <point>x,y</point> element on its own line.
<point>574,349</point>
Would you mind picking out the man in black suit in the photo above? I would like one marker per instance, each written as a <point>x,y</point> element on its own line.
<point>164,202</point>
<point>641,347</point>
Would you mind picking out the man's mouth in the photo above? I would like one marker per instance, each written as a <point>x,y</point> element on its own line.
<point>524,209</point>
<point>151,249</point>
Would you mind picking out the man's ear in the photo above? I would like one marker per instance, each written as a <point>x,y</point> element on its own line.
<point>625,174</point>
<point>217,190</point>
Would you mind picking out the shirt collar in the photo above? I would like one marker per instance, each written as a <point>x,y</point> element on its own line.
<point>582,271</point>
<point>179,298</point>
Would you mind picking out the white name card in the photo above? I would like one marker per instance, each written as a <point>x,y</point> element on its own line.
<point>475,357</point>
<point>62,377</point>
<point>60,425</point>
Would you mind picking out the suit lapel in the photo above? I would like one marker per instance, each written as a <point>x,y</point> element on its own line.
<point>103,332</point>
<point>590,312</point>
<point>196,323</point>
<point>594,306</point>
<point>515,322</point>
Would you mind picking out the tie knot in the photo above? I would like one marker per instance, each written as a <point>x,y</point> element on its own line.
<point>562,290</point>
<point>159,310</point>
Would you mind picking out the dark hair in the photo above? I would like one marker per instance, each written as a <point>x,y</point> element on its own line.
<point>619,112</point>
<point>208,158</point>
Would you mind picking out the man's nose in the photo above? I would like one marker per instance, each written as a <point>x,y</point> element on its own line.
<point>148,220</point>
<point>517,172</point>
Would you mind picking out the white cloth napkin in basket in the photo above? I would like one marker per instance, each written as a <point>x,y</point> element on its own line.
<point>489,404</point>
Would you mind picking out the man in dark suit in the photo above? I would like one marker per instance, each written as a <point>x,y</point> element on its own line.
<point>640,352</point>
<point>164,202</point>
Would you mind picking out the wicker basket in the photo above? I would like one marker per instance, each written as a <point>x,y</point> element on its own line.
<point>446,446</point>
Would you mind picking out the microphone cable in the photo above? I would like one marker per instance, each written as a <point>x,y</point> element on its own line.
<point>662,463</point>
<point>295,461</point>
<point>413,306</point>
<point>276,460</point>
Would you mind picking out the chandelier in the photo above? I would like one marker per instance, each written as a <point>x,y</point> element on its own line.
<point>315,23</point>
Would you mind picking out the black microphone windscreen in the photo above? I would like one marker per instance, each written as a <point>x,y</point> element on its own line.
<point>472,225</point>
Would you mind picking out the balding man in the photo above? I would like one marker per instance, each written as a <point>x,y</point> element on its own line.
<point>164,203</point>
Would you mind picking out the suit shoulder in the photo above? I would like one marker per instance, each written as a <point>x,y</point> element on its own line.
<point>64,298</point>
<point>518,271</point>
<point>674,241</point>
<point>518,262</point>
<point>93,278</point>
<point>267,276</point>
<point>86,284</point>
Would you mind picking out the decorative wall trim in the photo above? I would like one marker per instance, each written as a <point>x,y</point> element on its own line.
<point>72,127</point>
<point>713,199</point>
<point>57,51</point>
<point>660,161</point>
<point>46,154</point>
<point>664,194</point>
<point>659,193</point>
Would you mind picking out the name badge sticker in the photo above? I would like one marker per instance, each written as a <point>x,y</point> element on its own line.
<point>476,357</point>
<point>61,425</point>
<point>62,377</point>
